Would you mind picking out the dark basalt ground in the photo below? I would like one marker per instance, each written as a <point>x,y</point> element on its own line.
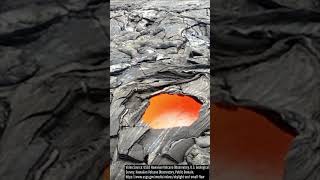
<point>158,47</point>
<point>53,63</point>
<point>266,58</point>
<point>53,55</point>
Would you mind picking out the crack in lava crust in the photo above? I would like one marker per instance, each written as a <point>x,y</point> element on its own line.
<point>248,145</point>
<point>168,111</point>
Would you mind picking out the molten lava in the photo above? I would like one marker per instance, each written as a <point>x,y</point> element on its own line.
<point>168,111</point>
<point>247,145</point>
<point>106,173</point>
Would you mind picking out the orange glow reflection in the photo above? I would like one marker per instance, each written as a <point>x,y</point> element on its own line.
<point>167,111</point>
<point>247,145</point>
<point>106,173</point>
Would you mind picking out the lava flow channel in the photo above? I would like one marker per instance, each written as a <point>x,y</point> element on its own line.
<point>171,110</point>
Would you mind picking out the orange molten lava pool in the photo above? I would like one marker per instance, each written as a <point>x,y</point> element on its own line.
<point>247,145</point>
<point>168,111</point>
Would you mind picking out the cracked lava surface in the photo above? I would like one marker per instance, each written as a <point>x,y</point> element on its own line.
<point>159,47</point>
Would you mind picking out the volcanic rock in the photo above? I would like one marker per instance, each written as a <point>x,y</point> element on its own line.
<point>157,47</point>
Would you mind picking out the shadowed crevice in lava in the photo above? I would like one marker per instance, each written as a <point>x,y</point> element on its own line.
<point>171,110</point>
<point>248,145</point>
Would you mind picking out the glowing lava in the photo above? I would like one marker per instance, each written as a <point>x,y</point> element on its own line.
<point>106,173</point>
<point>168,111</point>
<point>247,145</point>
